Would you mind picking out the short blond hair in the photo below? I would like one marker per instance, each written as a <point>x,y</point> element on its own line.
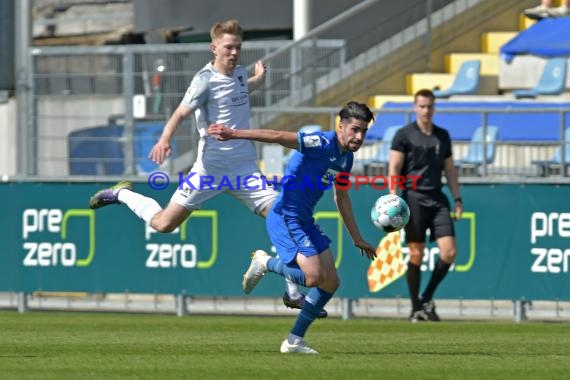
<point>226,27</point>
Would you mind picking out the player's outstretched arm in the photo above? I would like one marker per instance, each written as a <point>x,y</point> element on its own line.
<point>223,133</point>
<point>344,205</point>
<point>162,149</point>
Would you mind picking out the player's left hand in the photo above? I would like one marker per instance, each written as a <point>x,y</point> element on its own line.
<point>220,132</point>
<point>366,249</point>
<point>260,69</point>
<point>458,210</point>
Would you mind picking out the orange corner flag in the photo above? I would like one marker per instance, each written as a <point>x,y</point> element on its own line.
<point>388,265</point>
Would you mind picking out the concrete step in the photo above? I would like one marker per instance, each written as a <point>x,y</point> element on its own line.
<point>491,42</point>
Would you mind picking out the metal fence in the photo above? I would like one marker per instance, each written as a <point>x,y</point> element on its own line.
<point>81,88</point>
<point>513,160</point>
<point>524,160</point>
<point>399,307</point>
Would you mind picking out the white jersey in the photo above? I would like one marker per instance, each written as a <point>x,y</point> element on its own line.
<point>217,98</point>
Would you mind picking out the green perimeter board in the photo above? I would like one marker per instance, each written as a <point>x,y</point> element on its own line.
<point>513,243</point>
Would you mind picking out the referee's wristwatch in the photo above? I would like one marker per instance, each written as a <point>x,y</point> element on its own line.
<point>459,200</point>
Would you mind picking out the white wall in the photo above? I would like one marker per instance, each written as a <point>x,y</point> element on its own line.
<point>524,72</point>
<point>8,138</point>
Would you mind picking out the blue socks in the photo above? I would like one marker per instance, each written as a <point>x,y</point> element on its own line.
<point>294,274</point>
<point>315,300</point>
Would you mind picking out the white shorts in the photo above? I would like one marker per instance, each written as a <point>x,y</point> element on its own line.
<point>245,183</point>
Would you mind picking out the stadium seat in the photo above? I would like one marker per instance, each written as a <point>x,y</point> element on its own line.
<point>475,157</point>
<point>553,165</point>
<point>552,81</point>
<point>466,81</point>
<point>382,154</point>
<point>100,150</point>
<point>96,151</point>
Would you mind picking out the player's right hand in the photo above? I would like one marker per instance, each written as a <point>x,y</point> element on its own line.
<point>366,249</point>
<point>160,151</point>
<point>220,132</point>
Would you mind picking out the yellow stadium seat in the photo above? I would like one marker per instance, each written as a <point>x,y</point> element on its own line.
<point>377,101</point>
<point>417,81</point>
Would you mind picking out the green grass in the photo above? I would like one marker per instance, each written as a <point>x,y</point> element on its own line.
<point>42,345</point>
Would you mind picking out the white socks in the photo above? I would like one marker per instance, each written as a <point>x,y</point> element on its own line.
<point>294,339</point>
<point>144,207</point>
<point>293,289</point>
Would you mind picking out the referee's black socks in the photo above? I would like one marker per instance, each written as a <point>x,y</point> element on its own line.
<point>414,278</point>
<point>438,274</point>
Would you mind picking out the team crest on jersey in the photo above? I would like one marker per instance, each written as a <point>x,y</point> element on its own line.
<point>240,78</point>
<point>329,177</point>
<point>311,141</point>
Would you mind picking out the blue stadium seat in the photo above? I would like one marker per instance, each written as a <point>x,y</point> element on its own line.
<point>555,163</point>
<point>382,154</point>
<point>100,151</point>
<point>466,81</point>
<point>96,151</point>
<point>475,156</point>
<point>552,81</point>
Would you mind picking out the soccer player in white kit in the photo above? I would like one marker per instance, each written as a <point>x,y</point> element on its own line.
<point>218,93</point>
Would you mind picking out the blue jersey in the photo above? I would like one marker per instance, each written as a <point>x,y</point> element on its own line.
<point>311,171</point>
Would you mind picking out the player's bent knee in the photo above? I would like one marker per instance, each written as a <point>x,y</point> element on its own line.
<point>164,227</point>
<point>327,281</point>
<point>313,279</point>
<point>334,283</point>
<point>449,255</point>
<point>416,257</point>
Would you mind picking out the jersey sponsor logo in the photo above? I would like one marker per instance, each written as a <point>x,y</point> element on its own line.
<point>311,141</point>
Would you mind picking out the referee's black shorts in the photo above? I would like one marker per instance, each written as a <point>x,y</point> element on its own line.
<point>428,210</point>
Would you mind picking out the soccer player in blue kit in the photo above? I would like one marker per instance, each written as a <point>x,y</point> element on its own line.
<point>304,253</point>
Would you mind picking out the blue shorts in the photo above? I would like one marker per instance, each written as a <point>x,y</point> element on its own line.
<point>291,236</point>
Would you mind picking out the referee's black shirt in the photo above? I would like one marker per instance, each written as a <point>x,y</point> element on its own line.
<point>424,155</point>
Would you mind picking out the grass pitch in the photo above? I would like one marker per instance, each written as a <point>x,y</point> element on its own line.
<point>49,345</point>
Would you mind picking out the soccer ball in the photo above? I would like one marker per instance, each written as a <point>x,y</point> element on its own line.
<point>390,213</point>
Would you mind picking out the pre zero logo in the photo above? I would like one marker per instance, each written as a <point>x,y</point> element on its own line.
<point>53,237</point>
<point>177,251</point>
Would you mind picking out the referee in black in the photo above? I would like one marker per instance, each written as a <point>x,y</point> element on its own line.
<point>424,149</point>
